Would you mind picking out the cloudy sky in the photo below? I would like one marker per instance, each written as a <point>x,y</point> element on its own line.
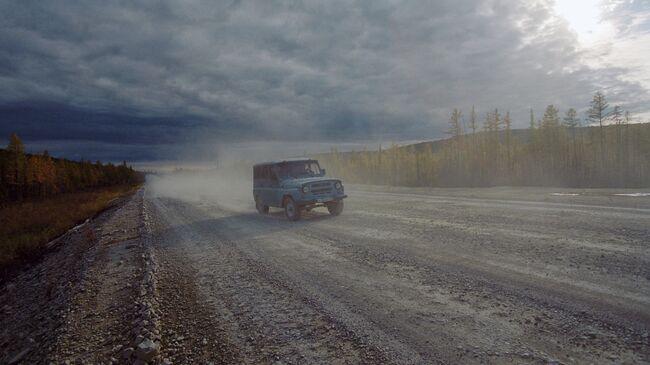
<point>159,80</point>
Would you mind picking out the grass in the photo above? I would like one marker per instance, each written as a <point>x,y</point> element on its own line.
<point>25,228</point>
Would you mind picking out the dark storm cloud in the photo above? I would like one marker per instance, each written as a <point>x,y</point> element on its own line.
<point>154,72</point>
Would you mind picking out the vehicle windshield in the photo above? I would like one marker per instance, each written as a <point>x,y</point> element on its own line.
<point>299,169</point>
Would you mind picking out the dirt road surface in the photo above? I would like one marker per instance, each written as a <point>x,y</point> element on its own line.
<point>448,276</point>
<point>185,271</point>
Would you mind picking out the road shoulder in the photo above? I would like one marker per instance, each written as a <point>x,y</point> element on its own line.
<point>89,299</point>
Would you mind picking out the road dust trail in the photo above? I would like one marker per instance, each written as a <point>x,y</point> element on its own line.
<point>405,277</point>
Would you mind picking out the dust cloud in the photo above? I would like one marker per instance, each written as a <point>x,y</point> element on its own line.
<point>223,176</point>
<point>228,186</point>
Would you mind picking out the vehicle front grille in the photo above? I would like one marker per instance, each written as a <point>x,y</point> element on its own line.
<point>321,188</point>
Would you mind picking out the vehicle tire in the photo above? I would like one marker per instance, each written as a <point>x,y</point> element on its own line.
<point>335,208</point>
<point>291,209</point>
<point>261,208</point>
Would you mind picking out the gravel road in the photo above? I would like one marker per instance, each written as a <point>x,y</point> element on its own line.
<point>405,276</point>
<point>185,271</point>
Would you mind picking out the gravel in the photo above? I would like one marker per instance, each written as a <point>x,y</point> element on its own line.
<point>89,298</point>
<point>407,276</point>
<point>501,275</point>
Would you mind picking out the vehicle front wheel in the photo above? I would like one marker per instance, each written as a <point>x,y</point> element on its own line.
<point>335,208</point>
<point>291,209</point>
<point>261,208</point>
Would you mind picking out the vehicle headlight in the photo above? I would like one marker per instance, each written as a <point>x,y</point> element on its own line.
<point>305,189</point>
<point>338,185</point>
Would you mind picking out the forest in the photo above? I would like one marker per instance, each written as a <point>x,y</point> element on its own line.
<point>26,176</point>
<point>610,150</point>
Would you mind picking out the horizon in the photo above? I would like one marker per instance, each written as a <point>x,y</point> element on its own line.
<point>251,150</point>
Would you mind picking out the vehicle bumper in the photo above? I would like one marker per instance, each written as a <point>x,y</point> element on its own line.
<point>321,200</point>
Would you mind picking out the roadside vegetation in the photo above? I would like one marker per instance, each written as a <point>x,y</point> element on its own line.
<point>42,197</point>
<point>610,151</point>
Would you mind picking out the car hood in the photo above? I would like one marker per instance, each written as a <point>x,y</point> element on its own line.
<point>306,180</point>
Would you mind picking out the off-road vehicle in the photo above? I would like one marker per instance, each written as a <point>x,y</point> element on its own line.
<point>295,185</point>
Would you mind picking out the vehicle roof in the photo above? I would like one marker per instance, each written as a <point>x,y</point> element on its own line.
<point>296,159</point>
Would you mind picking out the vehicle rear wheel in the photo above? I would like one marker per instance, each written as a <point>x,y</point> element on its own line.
<point>261,208</point>
<point>291,209</point>
<point>335,208</point>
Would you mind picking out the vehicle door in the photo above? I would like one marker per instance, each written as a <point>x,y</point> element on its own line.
<point>264,184</point>
<point>269,186</point>
<point>275,191</point>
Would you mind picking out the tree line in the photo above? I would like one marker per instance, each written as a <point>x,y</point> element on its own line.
<point>27,176</point>
<point>555,150</point>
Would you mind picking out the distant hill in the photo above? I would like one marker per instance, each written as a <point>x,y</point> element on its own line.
<point>518,135</point>
<point>616,156</point>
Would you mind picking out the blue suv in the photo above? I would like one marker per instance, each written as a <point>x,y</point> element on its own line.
<point>295,185</point>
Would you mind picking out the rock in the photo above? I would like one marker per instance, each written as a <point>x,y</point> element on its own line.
<point>138,339</point>
<point>127,352</point>
<point>166,361</point>
<point>147,350</point>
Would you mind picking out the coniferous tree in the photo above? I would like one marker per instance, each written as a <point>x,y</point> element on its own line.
<point>598,110</point>
<point>571,120</point>
<point>16,167</point>
<point>456,131</point>
<point>555,153</point>
<point>508,127</point>
<point>472,121</point>
<point>598,113</point>
<point>27,176</point>
<point>617,115</point>
<point>572,123</point>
